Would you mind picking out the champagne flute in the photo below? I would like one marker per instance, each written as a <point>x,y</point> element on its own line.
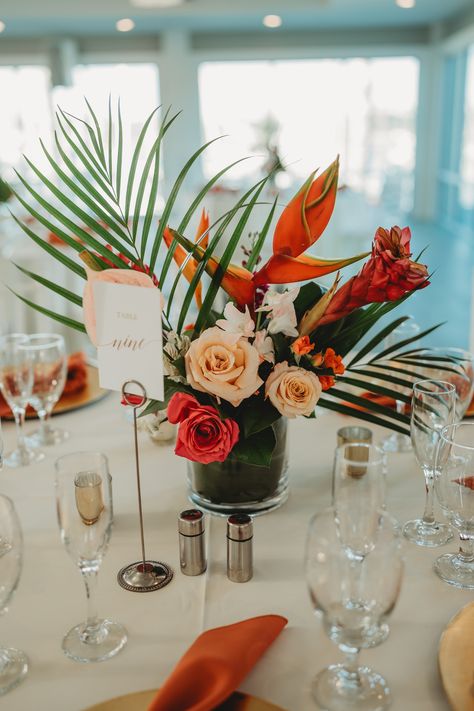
<point>85,516</point>
<point>454,484</point>
<point>433,407</point>
<point>359,485</point>
<point>454,365</point>
<point>397,442</point>
<point>350,620</point>
<point>13,662</point>
<point>16,383</point>
<point>49,364</point>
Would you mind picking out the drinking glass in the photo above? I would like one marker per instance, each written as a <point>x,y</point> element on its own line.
<point>13,662</point>
<point>397,442</point>
<point>16,383</point>
<point>454,485</point>
<point>353,606</point>
<point>433,407</point>
<point>85,515</point>
<point>359,485</point>
<point>456,366</point>
<point>49,364</point>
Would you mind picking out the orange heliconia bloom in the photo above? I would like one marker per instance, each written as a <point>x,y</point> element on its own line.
<point>302,346</point>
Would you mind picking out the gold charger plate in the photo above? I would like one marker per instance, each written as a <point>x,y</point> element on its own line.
<point>87,396</point>
<point>140,700</point>
<point>456,659</point>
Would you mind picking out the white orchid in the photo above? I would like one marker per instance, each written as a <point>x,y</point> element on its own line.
<point>236,321</point>
<point>175,347</point>
<point>281,311</point>
<point>264,345</point>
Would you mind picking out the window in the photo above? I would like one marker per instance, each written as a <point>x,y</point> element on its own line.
<point>466,188</point>
<point>25,115</point>
<point>307,112</point>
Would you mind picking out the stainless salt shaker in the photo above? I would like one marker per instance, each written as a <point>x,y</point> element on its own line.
<point>191,542</point>
<point>239,548</point>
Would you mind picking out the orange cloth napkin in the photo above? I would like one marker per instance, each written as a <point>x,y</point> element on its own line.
<point>215,665</point>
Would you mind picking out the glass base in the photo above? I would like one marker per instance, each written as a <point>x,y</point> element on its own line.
<point>252,508</point>
<point>337,689</point>
<point>48,438</point>
<point>455,571</point>
<point>23,458</point>
<point>397,442</point>
<point>107,639</point>
<point>431,536</point>
<point>13,668</point>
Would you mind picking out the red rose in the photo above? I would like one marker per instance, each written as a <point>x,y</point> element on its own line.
<point>202,435</point>
<point>388,275</point>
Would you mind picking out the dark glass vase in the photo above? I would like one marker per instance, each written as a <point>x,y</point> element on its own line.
<point>233,486</point>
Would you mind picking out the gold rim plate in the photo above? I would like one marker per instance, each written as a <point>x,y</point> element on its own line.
<point>140,700</point>
<point>456,659</point>
<point>89,395</point>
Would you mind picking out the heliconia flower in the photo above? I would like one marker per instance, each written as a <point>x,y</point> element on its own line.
<point>312,317</point>
<point>179,254</point>
<point>302,346</point>
<point>264,346</point>
<point>281,311</point>
<point>237,281</point>
<point>236,321</point>
<point>388,275</point>
<point>284,269</point>
<point>306,216</point>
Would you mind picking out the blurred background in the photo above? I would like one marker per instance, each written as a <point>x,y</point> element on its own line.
<point>386,84</point>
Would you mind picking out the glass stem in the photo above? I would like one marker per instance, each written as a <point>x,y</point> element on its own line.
<point>44,424</point>
<point>92,630</point>
<point>400,407</point>
<point>428,514</point>
<point>351,663</point>
<point>466,548</point>
<point>19,414</point>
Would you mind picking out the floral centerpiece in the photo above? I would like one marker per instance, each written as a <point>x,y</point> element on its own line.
<point>269,352</point>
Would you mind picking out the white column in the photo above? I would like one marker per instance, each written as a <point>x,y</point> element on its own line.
<point>179,89</point>
<point>428,131</point>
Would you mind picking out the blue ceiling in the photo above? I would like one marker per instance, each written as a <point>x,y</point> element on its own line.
<point>65,17</point>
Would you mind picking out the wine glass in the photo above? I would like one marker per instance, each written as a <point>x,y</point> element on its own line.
<point>85,515</point>
<point>433,407</point>
<point>351,612</point>
<point>49,363</point>
<point>359,485</point>
<point>13,662</point>
<point>454,483</point>
<point>16,383</point>
<point>456,366</point>
<point>397,442</point>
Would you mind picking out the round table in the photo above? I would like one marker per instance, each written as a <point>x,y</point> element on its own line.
<point>161,625</point>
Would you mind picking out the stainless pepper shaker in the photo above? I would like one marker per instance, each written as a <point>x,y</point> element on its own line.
<point>191,542</point>
<point>239,548</point>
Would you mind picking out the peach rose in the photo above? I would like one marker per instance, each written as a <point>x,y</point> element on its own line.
<point>292,390</point>
<point>114,276</point>
<point>224,365</point>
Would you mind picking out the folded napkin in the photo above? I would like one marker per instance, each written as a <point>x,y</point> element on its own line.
<point>215,665</point>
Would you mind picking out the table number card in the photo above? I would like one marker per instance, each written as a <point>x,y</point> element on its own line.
<point>129,337</point>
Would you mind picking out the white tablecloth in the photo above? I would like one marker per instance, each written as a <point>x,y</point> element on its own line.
<point>162,624</point>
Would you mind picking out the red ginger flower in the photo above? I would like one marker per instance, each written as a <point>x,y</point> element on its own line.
<point>388,275</point>
<point>202,435</point>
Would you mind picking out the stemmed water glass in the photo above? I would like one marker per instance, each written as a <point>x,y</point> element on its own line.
<point>13,662</point>
<point>456,366</point>
<point>433,407</point>
<point>454,485</point>
<point>49,364</point>
<point>397,442</point>
<point>352,613</point>
<point>85,515</point>
<point>16,383</point>
<point>359,485</point>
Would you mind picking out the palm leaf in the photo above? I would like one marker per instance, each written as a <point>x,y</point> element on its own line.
<point>405,342</point>
<point>83,152</point>
<point>118,165</point>
<point>53,286</point>
<point>380,336</point>
<point>134,163</point>
<point>374,388</point>
<point>360,414</point>
<point>70,322</point>
<point>366,404</point>
<point>257,248</point>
